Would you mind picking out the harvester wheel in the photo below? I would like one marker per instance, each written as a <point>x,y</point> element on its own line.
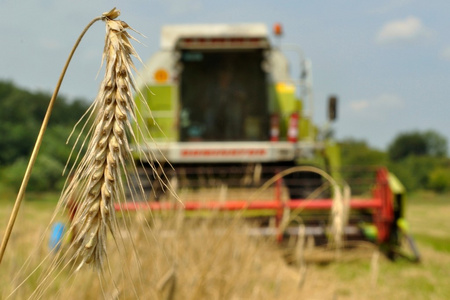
<point>404,248</point>
<point>412,245</point>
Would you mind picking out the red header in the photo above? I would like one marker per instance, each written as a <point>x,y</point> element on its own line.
<point>222,152</point>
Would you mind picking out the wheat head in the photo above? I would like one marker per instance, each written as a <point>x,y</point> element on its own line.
<point>96,183</point>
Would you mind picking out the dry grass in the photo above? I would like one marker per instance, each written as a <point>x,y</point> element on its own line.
<point>216,260</point>
<point>192,259</point>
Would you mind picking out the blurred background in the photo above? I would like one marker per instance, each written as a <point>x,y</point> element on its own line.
<point>387,61</point>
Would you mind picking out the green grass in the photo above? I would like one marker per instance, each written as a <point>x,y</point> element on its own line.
<point>440,244</point>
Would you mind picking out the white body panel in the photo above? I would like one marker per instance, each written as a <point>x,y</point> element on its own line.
<point>230,152</point>
<point>171,34</point>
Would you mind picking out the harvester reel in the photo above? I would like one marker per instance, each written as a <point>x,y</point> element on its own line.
<point>339,209</point>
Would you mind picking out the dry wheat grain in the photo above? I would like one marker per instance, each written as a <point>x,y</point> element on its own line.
<point>97,182</point>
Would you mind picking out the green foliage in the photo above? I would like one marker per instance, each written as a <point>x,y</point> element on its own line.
<point>21,115</point>
<point>436,143</point>
<point>54,143</point>
<point>418,159</point>
<point>358,152</point>
<point>359,162</point>
<point>414,171</point>
<point>429,143</point>
<point>439,179</point>
<point>46,174</point>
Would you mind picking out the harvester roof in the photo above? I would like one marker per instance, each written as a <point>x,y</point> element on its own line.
<point>195,36</point>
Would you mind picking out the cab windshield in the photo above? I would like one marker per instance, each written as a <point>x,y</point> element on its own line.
<point>224,96</point>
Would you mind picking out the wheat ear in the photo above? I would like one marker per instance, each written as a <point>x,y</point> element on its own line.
<point>97,183</point>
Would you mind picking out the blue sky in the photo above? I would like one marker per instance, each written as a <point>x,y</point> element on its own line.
<point>388,61</point>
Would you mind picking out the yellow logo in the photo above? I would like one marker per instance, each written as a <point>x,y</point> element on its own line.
<point>161,76</point>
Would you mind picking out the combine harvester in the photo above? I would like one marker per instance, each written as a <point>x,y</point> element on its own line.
<point>226,113</point>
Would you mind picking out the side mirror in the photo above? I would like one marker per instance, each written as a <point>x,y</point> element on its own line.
<point>332,108</point>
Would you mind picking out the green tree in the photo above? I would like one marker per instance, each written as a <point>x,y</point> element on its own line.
<point>418,159</point>
<point>417,143</point>
<point>439,179</point>
<point>359,162</point>
<point>21,115</point>
<point>414,171</point>
<point>436,143</point>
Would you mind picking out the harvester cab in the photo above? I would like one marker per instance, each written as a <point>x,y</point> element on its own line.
<point>224,85</point>
<point>227,114</point>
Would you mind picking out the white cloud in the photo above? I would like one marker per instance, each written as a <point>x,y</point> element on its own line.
<point>445,53</point>
<point>407,30</point>
<point>359,105</point>
<point>50,44</point>
<point>378,106</point>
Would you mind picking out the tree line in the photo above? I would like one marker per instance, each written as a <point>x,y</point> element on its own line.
<point>21,115</point>
<point>418,158</point>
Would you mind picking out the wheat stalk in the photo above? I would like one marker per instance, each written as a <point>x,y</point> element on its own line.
<point>97,182</point>
<point>37,145</point>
